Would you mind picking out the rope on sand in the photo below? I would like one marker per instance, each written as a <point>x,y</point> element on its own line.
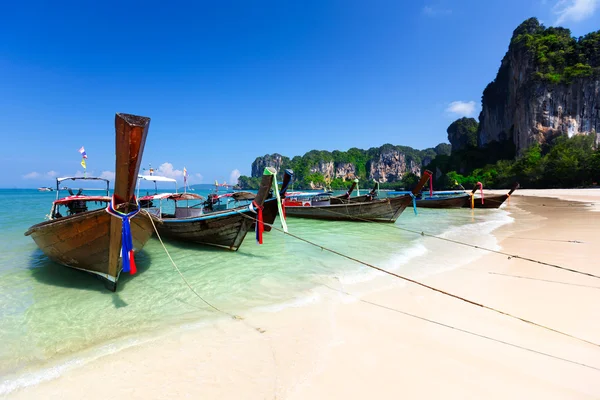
<point>544,280</point>
<point>464,330</point>
<point>428,286</point>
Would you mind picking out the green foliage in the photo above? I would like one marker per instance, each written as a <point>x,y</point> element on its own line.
<point>247,182</point>
<point>558,57</point>
<point>443,149</point>
<point>462,133</point>
<point>306,168</point>
<point>409,180</point>
<point>566,162</point>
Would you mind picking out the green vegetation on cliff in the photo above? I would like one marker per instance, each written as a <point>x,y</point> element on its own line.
<point>559,57</point>
<point>565,162</point>
<point>336,169</point>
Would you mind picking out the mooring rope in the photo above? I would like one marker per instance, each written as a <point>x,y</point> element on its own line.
<point>463,330</point>
<point>181,275</point>
<point>422,233</point>
<point>544,280</point>
<point>428,286</point>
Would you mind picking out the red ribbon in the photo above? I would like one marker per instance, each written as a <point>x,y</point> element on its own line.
<point>430,185</point>
<point>260,225</point>
<point>481,188</point>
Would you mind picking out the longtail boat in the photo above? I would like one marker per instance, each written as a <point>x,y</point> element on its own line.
<point>346,197</point>
<point>383,210</point>
<point>223,228</point>
<point>490,201</point>
<point>91,240</point>
<point>443,201</point>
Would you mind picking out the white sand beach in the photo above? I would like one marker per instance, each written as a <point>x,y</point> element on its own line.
<point>402,341</point>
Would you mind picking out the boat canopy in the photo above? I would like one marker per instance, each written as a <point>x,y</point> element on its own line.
<point>87,178</point>
<point>173,196</point>
<point>307,194</point>
<point>156,178</point>
<point>239,195</point>
<point>69,199</point>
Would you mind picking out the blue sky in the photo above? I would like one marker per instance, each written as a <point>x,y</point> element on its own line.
<point>227,81</point>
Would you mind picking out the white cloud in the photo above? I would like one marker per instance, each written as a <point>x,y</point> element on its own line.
<point>166,169</point>
<point>574,10</point>
<point>110,175</point>
<point>233,177</point>
<point>31,175</point>
<point>433,11</point>
<point>199,176</point>
<point>462,108</point>
<point>37,175</point>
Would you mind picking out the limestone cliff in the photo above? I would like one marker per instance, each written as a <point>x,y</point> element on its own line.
<point>385,164</point>
<point>390,166</point>
<point>268,160</point>
<point>548,84</point>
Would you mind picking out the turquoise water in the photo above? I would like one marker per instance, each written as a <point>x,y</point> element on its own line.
<point>48,311</point>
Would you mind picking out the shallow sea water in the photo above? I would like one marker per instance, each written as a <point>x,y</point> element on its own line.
<point>50,312</point>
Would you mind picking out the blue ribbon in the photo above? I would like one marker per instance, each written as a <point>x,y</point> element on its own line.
<point>126,238</point>
<point>414,199</point>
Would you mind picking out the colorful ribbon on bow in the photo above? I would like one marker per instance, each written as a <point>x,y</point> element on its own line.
<point>260,225</point>
<point>430,185</point>
<point>414,201</point>
<point>127,254</point>
<point>481,189</point>
<point>280,206</point>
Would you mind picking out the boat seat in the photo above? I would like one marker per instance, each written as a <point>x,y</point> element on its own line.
<point>77,206</point>
<point>184,212</point>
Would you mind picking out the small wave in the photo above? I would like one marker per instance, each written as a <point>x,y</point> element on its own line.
<point>300,301</point>
<point>27,379</point>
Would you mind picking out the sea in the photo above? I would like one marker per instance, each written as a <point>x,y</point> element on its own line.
<point>53,318</point>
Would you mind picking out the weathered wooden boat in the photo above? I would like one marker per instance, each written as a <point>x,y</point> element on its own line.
<point>91,240</point>
<point>223,228</point>
<point>383,210</point>
<point>443,201</point>
<point>346,197</point>
<point>490,201</point>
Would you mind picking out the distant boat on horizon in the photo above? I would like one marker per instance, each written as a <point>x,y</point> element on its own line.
<point>45,189</point>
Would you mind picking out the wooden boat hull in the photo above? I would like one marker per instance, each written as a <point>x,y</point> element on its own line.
<point>355,199</point>
<point>384,210</point>
<point>81,241</point>
<point>270,212</point>
<point>445,202</point>
<point>491,201</point>
<point>226,229</point>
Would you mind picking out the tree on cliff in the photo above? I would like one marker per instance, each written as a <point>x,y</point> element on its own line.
<point>462,133</point>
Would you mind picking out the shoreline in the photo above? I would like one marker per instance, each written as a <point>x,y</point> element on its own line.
<point>319,350</point>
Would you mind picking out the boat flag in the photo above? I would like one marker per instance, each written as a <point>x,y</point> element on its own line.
<point>83,157</point>
<point>185,175</point>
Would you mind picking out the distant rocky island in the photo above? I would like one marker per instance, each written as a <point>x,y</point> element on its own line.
<point>539,125</point>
